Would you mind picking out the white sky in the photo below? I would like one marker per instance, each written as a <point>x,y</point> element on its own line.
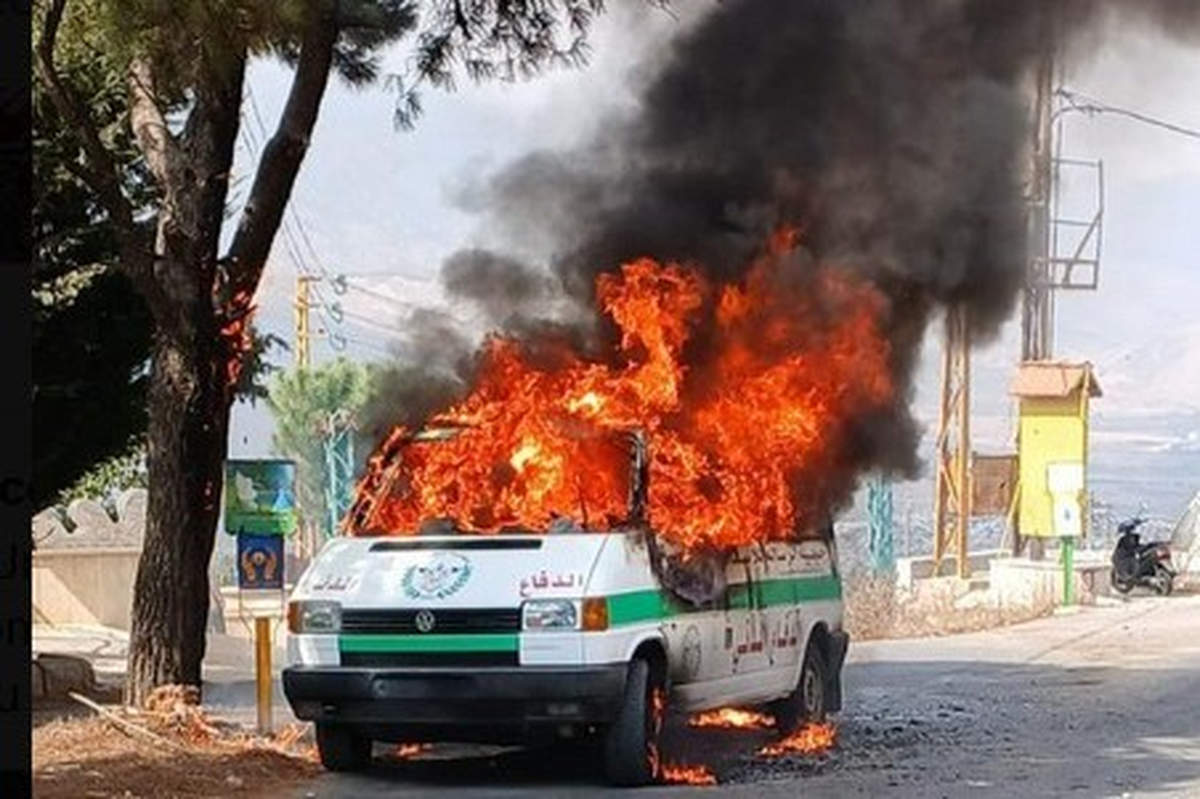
<point>377,201</point>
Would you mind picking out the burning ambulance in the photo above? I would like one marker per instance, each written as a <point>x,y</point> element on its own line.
<point>589,627</point>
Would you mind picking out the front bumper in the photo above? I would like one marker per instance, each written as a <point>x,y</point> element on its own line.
<point>455,703</point>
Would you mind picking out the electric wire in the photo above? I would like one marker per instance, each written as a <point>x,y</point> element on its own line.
<point>1076,101</point>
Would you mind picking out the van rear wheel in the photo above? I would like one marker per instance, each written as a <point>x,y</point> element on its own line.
<point>631,754</point>
<point>808,701</point>
<point>342,749</point>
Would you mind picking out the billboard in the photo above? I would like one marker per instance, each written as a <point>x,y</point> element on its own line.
<point>260,497</point>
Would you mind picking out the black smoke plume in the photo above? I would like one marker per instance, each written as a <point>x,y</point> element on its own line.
<point>894,133</point>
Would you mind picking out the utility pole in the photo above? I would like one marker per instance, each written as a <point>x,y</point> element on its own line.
<point>952,485</point>
<point>302,333</point>
<point>1037,308</point>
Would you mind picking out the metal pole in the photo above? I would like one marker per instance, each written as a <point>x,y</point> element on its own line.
<point>1068,559</point>
<point>262,672</point>
<point>302,332</point>
<point>964,445</point>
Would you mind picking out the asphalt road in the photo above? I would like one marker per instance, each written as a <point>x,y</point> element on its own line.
<point>1103,702</point>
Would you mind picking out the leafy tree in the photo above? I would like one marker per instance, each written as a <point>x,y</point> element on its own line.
<point>91,328</point>
<point>303,401</point>
<point>184,64</point>
<point>108,478</point>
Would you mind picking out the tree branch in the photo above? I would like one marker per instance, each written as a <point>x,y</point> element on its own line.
<point>283,154</point>
<point>99,169</point>
<point>149,124</point>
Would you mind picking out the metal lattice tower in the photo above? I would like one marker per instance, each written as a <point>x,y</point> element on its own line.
<point>1065,246</point>
<point>952,492</point>
<point>880,529</point>
<point>339,470</point>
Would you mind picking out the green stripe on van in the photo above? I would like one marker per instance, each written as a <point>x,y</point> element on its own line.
<point>654,604</point>
<point>430,642</point>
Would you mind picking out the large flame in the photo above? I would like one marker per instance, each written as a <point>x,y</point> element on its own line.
<point>745,393</point>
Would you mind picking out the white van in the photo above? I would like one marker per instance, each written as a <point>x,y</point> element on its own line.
<point>516,637</point>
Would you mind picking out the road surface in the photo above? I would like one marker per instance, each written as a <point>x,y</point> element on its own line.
<point>1103,702</point>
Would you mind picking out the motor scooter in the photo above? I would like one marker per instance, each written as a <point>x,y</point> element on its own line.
<point>1135,563</point>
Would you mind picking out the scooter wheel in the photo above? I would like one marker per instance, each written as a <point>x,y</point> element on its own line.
<point>1120,585</point>
<point>1163,584</point>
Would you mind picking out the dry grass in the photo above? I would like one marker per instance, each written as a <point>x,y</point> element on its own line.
<point>876,609</point>
<point>197,756</point>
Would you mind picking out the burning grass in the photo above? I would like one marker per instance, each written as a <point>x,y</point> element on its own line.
<point>171,749</point>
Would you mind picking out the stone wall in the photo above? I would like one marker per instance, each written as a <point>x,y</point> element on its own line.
<point>85,561</point>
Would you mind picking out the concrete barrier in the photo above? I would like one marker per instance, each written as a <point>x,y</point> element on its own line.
<point>1014,581</point>
<point>84,586</point>
<point>910,570</point>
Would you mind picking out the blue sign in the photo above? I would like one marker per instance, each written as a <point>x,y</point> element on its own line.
<point>260,561</point>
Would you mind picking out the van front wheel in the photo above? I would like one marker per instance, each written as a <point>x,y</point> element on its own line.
<point>808,702</point>
<point>341,749</point>
<point>631,755</point>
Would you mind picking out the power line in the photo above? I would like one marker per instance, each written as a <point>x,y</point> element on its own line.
<point>366,320</point>
<point>380,295</point>
<point>289,242</point>
<point>362,342</point>
<point>1088,105</point>
<point>291,205</point>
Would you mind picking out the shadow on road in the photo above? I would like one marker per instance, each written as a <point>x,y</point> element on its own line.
<point>908,728</point>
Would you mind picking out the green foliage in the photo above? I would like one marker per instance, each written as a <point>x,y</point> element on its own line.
<point>302,402</point>
<point>106,480</point>
<point>91,329</point>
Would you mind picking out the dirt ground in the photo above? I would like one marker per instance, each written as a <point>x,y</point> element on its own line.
<point>174,752</point>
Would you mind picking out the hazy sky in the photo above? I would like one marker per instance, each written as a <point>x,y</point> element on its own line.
<point>379,202</point>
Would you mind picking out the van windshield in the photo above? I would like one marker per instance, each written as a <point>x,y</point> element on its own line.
<point>461,480</point>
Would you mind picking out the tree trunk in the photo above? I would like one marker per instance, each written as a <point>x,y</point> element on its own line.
<point>189,406</point>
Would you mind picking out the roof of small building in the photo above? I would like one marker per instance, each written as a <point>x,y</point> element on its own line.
<point>1054,379</point>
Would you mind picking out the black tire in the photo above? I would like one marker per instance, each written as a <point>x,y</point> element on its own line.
<point>342,749</point>
<point>808,701</point>
<point>631,753</point>
<point>1164,583</point>
<point>1122,586</point>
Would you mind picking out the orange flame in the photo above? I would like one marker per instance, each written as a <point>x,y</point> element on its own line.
<point>235,333</point>
<point>688,775</point>
<point>406,750</point>
<point>811,739</point>
<point>731,717</point>
<point>743,433</point>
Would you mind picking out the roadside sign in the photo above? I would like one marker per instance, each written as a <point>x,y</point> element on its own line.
<point>260,497</point>
<point>260,562</point>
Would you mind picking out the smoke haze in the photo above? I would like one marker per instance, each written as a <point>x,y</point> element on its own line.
<point>893,134</point>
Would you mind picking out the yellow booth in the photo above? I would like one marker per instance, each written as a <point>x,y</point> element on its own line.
<point>1052,441</point>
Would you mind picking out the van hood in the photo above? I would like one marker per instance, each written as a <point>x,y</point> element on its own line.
<point>461,571</point>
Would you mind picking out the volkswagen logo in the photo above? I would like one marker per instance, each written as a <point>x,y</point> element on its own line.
<point>424,620</point>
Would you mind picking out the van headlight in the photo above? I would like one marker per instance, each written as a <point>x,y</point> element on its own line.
<point>549,614</point>
<point>314,616</point>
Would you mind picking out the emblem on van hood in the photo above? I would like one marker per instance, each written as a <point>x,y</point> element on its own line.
<point>424,620</point>
<point>441,575</point>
